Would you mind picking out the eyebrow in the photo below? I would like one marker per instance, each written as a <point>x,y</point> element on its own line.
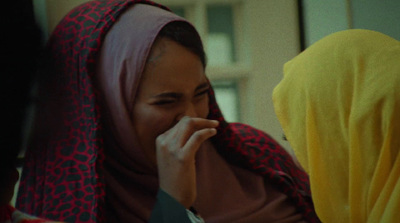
<point>202,86</point>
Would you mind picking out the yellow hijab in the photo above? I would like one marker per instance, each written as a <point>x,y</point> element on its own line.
<point>339,106</point>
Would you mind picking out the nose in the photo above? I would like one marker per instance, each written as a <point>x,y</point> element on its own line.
<point>188,110</point>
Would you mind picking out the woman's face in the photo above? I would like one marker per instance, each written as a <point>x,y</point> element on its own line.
<point>173,85</point>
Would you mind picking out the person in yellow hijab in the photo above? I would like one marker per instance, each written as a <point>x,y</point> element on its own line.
<point>339,107</point>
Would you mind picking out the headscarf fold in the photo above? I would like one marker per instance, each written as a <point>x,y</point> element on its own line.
<point>84,162</point>
<point>339,106</point>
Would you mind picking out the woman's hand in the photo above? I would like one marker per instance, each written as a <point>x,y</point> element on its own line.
<point>176,151</point>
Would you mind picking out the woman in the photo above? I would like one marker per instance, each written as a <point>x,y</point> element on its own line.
<point>135,134</point>
<point>339,107</point>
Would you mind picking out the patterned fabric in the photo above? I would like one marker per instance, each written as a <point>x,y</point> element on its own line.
<point>62,177</point>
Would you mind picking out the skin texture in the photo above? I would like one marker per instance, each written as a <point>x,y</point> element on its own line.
<point>170,116</point>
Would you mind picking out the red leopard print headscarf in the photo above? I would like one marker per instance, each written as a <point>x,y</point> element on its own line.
<point>62,177</point>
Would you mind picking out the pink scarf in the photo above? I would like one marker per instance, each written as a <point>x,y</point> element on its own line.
<point>131,183</point>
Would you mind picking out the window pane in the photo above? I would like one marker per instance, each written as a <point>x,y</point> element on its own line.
<point>226,93</point>
<point>220,40</point>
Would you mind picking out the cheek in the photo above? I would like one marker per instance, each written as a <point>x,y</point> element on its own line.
<point>203,108</point>
<point>150,123</point>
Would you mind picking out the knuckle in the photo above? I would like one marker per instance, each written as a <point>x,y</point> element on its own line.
<point>159,139</point>
<point>198,137</point>
<point>167,147</point>
<point>181,158</point>
<point>162,146</point>
<point>161,142</point>
<point>189,122</point>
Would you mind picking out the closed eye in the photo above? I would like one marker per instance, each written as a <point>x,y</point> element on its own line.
<point>166,98</point>
<point>164,102</point>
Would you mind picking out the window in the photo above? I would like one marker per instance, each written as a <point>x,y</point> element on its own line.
<point>227,96</point>
<point>220,36</point>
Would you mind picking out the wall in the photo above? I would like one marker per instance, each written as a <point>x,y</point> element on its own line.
<point>274,39</point>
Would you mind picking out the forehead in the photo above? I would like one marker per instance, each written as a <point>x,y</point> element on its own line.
<point>171,66</point>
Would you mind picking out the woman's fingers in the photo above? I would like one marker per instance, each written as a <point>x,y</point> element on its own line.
<point>195,141</point>
<point>189,126</point>
<point>176,150</point>
<point>183,130</point>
